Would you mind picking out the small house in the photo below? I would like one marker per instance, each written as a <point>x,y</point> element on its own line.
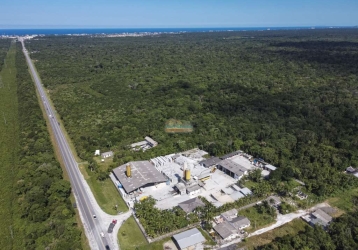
<point>107,154</point>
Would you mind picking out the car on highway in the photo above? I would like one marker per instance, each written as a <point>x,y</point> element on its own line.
<point>107,247</point>
<point>94,216</point>
<point>102,234</point>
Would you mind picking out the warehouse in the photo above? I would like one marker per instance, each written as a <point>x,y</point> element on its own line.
<point>138,174</point>
<point>232,169</point>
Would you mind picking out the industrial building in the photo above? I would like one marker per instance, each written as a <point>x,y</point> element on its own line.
<point>232,169</point>
<point>138,174</point>
<point>176,178</point>
<point>210,162</point>
<point>188,240</point>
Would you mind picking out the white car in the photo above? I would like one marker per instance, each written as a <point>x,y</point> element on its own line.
<point>102,234</point>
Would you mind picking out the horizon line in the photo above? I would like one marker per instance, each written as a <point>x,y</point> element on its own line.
<point>196,27</point>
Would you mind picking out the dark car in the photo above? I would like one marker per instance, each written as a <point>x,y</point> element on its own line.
<point>108,248</point>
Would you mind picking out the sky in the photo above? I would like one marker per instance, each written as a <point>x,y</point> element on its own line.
<point>176,13</point>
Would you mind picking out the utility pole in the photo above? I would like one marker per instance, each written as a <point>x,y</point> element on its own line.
<point>12,235</point>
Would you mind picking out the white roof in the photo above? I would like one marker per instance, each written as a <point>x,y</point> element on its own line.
<point>236,187</point>
<point>237,195</point>
<point>245,191</point>
<point>189,238</point>
<point>270,167</point>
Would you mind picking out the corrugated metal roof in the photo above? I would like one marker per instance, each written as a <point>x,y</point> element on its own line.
<point>319,214</point>
<point>189,205</point>
<point>210,162</point>
<point>224,229</point>
<point>189,238</point>
<point>142,172</point>
<point>233,167</point>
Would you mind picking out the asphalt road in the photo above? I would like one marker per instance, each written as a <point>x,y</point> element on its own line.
<point>93,226</point>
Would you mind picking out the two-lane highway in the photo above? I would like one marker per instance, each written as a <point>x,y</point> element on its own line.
<point>94,227</point>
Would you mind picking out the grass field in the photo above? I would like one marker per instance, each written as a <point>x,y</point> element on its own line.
<point>158,245</point>
<point>291,228</point>
<point>209,240</point>
<point>257,220</point>
<point>130,237</point>
<point>104,191</point>
<point>344,200</point>
<point>8,149</point>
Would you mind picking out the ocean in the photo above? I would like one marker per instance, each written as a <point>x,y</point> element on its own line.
<point>93,31</point>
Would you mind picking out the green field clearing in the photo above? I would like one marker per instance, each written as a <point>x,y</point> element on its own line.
<point>257,219</point>
<point>291,228</point>
<point>105,192</point>
<point>209,240</point>
<point>344,200</point>
<point>158,245</point>
<point>130,237</point>
<point>9,144</point>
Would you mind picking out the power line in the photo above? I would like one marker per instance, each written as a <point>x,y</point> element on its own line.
<point>4,117</point>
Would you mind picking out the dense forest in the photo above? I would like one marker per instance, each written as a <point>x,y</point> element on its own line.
<point>44,215</point>
<point>4,48</point>
<point>289,97</point>
<point>341,234</point>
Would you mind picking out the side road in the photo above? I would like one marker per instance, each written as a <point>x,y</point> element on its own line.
<point>281,220</point>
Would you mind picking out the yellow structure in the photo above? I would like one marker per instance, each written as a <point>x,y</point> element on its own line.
<point>143,198</point>
<point>128,171</point>
<point>187,175</point>
<point>205,178</point>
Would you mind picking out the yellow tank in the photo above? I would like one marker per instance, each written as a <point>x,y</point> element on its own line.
<point>128,171</point>
<point>187,174</point>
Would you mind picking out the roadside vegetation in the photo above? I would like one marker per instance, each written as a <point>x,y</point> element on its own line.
<point>44,215</point>
<point>129,235</point>
<point>9,144</point>
<point>104,191</point>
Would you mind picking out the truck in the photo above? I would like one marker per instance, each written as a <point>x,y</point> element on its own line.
<point>111,226</point>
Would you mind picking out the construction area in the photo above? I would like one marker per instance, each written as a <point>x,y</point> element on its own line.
<point>176,178</point>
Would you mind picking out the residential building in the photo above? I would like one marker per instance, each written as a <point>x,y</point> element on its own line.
<point>240,222</point>
<point>226,231</point>
<point>107,154</point>
<point>321,218</point>
<point>150,141</point>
